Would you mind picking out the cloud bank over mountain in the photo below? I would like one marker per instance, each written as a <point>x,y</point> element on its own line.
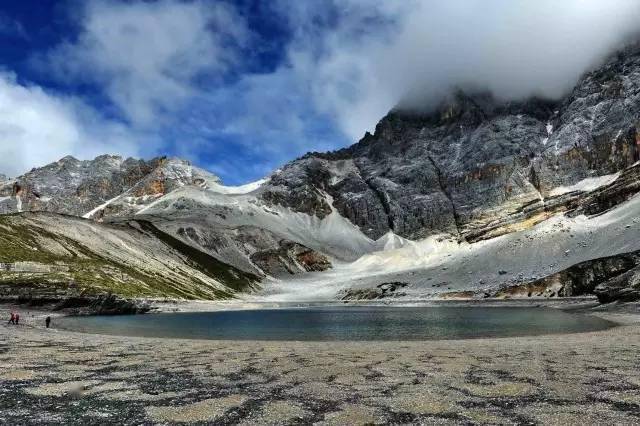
<point>410,54</point>
<point>242,87</point>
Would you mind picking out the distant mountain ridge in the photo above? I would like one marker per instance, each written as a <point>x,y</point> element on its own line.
<point>75,187</point>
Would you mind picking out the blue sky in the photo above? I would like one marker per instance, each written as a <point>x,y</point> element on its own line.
<point>205,80</point>
<point>199,114</point>
<point>242,86</point>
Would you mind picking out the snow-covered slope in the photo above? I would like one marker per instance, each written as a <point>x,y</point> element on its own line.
<point>237,190</point>
<point>588,185</point>
<point>333,235</point>
<point>432,267</point>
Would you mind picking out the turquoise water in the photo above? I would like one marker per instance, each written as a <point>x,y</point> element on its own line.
<point>343,323</point>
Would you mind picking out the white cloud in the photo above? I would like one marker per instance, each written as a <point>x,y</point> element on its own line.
<point>379,54</point>
<point>37,128</point>
<point>147,54</point>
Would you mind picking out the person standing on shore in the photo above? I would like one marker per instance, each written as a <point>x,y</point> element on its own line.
<point>13,318</point>
<point>17,318</point>
<point>47,321</point>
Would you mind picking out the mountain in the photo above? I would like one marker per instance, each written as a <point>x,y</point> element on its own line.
<point>85,188</point>
<point>50,252</point>
<point>475,164</point>
<point>479,197</point>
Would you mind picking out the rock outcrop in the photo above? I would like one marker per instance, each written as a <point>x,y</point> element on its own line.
<point>381,291</point>
<point>106,186</point>
<point>610,278</point>
<point>290,258</point>
<point>624,287</point>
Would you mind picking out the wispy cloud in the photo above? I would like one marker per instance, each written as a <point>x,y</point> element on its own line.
<point>12,28</point>
<point>37,127</point>
<point>147,55</point>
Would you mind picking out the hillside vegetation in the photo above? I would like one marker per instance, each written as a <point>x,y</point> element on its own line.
<point>67,254</point>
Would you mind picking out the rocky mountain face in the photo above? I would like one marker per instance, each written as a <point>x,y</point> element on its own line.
<point>474,169</point>
<point>87,188</point>
<point>114,189</point>
<point>71,186</point>
<point>475,162</point>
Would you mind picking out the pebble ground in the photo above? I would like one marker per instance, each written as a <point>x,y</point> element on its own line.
<point>59,377</point>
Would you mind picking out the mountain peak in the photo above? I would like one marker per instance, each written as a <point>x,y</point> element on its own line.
<point>68,159</point>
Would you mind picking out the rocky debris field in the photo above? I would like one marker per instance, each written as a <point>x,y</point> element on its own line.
<point>54,377</point>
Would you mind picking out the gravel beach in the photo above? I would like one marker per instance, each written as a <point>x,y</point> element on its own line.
<point>53,377</point>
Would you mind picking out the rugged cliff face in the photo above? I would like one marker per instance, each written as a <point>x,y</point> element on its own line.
<point>474,169</point>
<point>71,186</point>
<point>108,185</point>
<point>475,161</point>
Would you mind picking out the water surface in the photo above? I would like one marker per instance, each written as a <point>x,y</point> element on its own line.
<point>343,323</point>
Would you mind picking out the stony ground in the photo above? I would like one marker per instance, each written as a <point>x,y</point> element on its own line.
<point>54,377</point>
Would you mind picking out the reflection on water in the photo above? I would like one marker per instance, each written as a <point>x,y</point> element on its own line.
<point>344,323</point>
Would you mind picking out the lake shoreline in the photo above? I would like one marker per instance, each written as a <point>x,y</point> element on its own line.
<point>237,304</point>
<point>53,376</point>
<point>345,323</point>
<point>617,313</point>
<point>109,304</point>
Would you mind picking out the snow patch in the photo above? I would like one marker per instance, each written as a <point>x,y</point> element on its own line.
<point>236,190</point>
<point>391,241</point>
<point>586,185</point>
<point>411,255</point>
<point>618,135</point>
<point>100,207</point>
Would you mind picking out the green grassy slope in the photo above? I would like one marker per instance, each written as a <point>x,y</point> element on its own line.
<point>124,259</point>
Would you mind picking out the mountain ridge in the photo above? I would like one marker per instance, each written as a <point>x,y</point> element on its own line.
<point>473,170</point>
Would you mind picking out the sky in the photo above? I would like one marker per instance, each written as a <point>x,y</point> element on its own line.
<point>241,87</point>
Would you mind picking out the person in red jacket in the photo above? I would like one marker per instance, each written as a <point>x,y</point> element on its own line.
<point>13,318</point>
<point>17,318</point>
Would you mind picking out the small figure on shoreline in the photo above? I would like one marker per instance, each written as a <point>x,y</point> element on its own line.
<point>17,318</point>
<point>47,321</point>
<point>13,318</point>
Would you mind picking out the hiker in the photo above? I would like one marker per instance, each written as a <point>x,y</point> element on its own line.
<point>17,318</point>
<point>47,321</point>
<point>13,318</point>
